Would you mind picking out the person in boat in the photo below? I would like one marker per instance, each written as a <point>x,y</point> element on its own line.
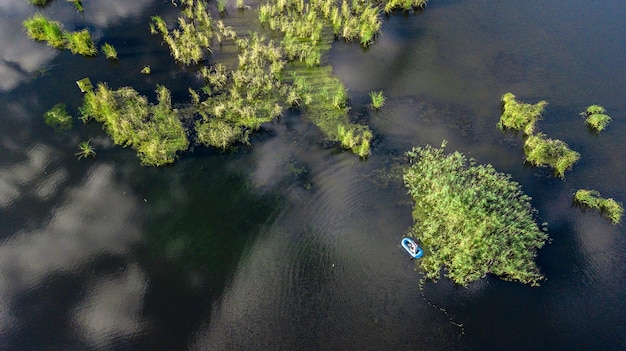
<point>411,246</point>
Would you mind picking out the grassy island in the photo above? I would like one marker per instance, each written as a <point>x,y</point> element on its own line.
<point>555,153</point>
<point>596,118</point>
<point>612,209</point>
<point>471,219</point>
<point>155,131</point>
<point>519,115</point>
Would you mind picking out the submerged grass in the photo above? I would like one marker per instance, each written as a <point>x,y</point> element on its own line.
<point>612,209</point>
<point>471,219</point>
<point>58,118</point>
<point>542,151</point>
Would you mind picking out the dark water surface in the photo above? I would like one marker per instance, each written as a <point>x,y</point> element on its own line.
<point>293,244</point>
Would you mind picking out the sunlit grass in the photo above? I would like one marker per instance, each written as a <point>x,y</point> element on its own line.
<point>81,43</point>
<point>612,209</point>
<point>38,27</point>
<point>85,150</point>
<point>378,99</point>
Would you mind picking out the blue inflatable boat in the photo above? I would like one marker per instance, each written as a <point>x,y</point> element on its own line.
<point>411,248</point>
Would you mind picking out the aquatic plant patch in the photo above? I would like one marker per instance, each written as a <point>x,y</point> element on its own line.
<point>109,51</point>
<point>471,219</point>
<point>596,118</point>
<point>518,115</point>
<point>542,151</point>
<point>39,28</point>
<point>612,209</point>
<point>154,131</point>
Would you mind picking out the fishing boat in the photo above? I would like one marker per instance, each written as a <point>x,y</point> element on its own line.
<point>411,248</point>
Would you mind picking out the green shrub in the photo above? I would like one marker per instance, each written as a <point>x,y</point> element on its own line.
<point>596,118</point>
<point>541,151</point>
<point>58,118</point>
<point>518,115</point>
<point>592,199</point>
<point>471,219</point>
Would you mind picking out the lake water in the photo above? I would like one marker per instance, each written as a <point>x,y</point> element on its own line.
<point>291,243</point>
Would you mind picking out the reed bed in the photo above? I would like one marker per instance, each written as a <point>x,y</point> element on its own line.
<point>40,28</point>
<point>471,219</point>
<point>109,51</point>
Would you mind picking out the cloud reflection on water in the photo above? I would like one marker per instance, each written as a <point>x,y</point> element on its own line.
<point>20,56</point>
<point>97,219</point>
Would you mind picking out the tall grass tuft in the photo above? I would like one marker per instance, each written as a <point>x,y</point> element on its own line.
<point>378,99</point>
<point>518,115</point>
<point>612,209</point>
<point>471,219</point>
<point>596,118</point>
<point>541,151</point>
<point>109,51</point>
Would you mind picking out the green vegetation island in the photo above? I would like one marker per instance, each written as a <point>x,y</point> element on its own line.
<point>471,219</point>
<point>612,209</point>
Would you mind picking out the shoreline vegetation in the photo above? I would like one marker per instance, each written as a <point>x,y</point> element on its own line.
<point>538,149</point>
<point>471,219</point>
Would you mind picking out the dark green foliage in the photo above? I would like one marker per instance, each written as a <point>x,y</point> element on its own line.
<point>85,150</point>
<point>155,131</point>
<point>58,117</point>
<point>596,118</point>
<point>39,2</point>
<point>518,115</point>
<point>612,209</point>
<point>406,5</point>
<point>542,151</point>
<point>471,219</point>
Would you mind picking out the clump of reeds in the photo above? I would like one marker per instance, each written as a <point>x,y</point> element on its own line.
<point>612,209</point>
<point>596,118</point>
<point>518,115</point>
<point>81,43</point>
<point>378,99</point>
<point>78,5</point>
<point>146,70</point>
<point>38,27</point>
<point>154,131</point>
<point>541,151</point>
<point>58,118</point>
<point>109,51</point>
<point>192,38</point>
<point>39,2</point>
<point>471,219</point>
